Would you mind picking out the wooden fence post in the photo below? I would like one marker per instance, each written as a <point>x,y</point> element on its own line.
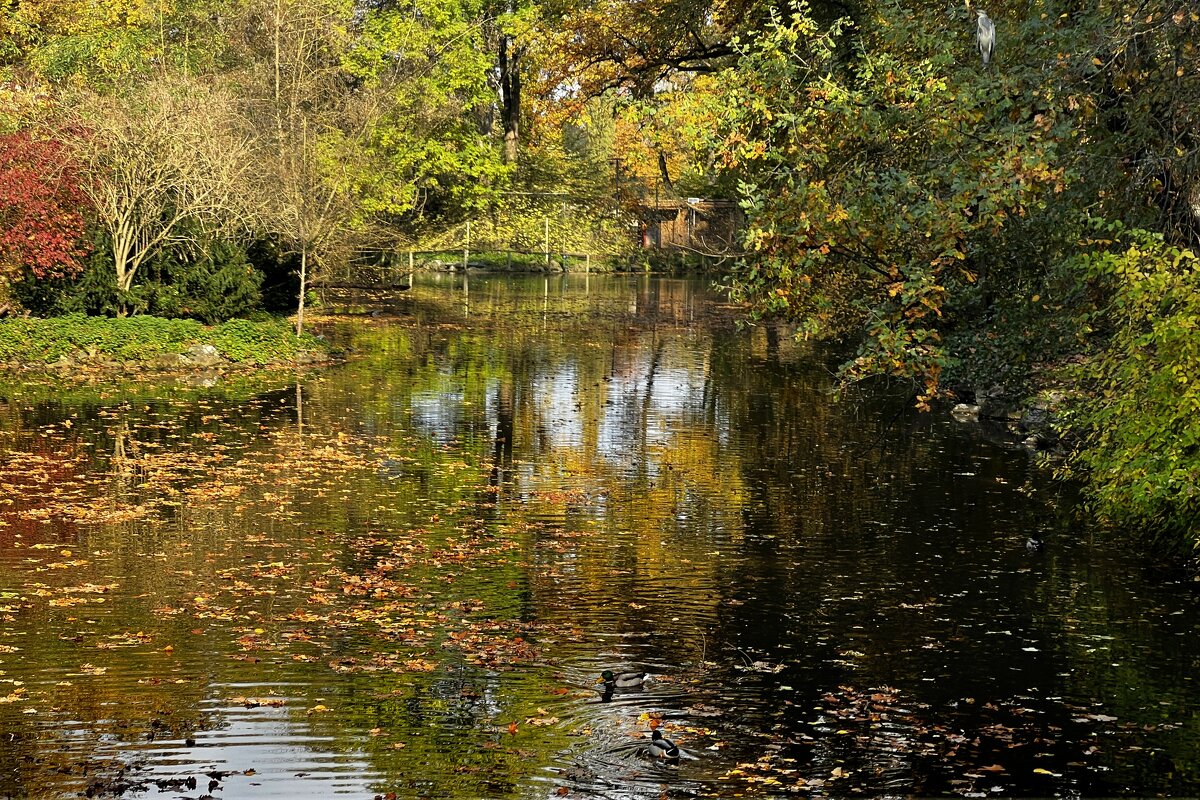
<point>467,246</point>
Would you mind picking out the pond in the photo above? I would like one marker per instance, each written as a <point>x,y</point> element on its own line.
<point>402,576</point>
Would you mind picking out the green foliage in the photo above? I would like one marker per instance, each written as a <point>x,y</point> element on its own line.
<point>93,291</point>
<point>144,338</point>
<point>873,184</point>
<point>437,159</point>
<point>108,44</point>
<point>259,342</point>
<point>215,284</point>
<point>1012,342</point>
<point>1139,424</point>
<point>210,283</point>
<point>96,56</point>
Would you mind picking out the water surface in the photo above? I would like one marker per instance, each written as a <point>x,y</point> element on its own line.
<point>403,574</point>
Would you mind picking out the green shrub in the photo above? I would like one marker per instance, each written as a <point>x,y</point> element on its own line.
<point>144,338</point>
<point>211,282</point>
<point>259,342</point>
<point>215,284</point>
<point>93,292</point>
<point>1138,427</point>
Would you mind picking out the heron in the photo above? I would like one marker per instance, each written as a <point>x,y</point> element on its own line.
<point>985,35</point>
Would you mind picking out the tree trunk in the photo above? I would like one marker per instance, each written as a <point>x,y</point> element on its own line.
<point>303,280</point>
<point>121,248</point>
<point>510,96</point>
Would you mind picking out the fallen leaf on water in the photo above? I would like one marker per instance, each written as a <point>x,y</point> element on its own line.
<point>16,695</point>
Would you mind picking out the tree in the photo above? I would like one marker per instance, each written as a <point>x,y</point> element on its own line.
<point>874,184</point>
<point>113,44</point>
<point>425,62</point>
<point>174,153</point>
<point>41,209</point>
<point>590,48</point>
<point>309,209</point>
<point>306,116</point>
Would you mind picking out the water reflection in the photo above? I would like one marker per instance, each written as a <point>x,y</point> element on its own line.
<point>405,573</point>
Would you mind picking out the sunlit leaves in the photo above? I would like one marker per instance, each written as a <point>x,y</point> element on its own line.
<point>430,58</point>
<point>591,47</point>
<point>1139,425</point>
<point>106,44</point>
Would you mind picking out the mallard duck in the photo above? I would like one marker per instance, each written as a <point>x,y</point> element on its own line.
<point>624,680</point>
<point>662,747</point>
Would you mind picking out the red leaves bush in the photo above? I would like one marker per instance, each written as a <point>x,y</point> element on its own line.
<point>41,209</point>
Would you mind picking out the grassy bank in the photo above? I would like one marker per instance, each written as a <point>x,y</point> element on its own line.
<point>149,340</point>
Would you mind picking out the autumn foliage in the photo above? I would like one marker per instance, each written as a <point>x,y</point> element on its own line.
<point>41,208</point>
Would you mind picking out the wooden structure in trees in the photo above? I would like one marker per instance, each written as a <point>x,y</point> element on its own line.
<point>710,227</point>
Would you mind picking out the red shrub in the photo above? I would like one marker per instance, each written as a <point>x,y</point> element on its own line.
<point>41,208</point>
